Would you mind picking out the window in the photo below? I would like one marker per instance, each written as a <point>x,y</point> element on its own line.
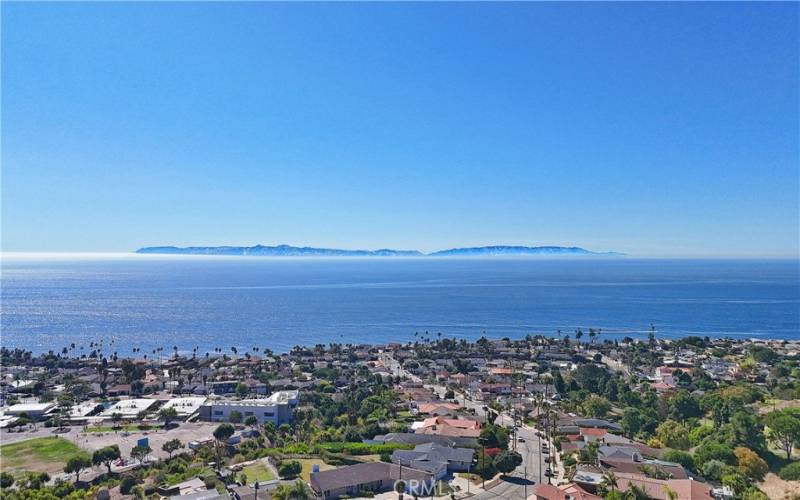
<point>269,414</point>
<point>248,413</point>
<point>217,412</point>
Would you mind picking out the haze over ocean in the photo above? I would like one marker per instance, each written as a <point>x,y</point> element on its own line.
<point>150,302</point>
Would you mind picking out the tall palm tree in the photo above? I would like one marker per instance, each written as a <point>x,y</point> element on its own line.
<point>670,493</point>
<point>609,481</point>
<point>635,492</point>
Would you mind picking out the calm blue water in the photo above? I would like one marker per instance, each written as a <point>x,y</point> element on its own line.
<point>277,303</point>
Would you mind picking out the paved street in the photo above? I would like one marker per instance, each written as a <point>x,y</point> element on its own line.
<point>517,485</point>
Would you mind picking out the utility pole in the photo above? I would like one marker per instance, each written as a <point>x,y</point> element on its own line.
<point>524,485</point>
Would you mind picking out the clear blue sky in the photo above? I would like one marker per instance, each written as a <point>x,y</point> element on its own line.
<point>652,129</point>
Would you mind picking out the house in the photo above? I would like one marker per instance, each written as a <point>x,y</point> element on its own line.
<point>223,387</point>
<point>656,489</point>
<point>415,439</point>
<point>448,427</point>
<point>248,492</point>
<point>590,435</point>
<point>202,495</point>
<point>435,458</point>
<point>366,477</point>
<point>438,408</point>
<point>194,485</point>
<point>598,423</point>
<point>564,492</point>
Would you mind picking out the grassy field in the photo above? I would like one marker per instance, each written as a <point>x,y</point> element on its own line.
<point>307,463</point>
<point>47,454</point>
<point>195,470</point>
<point>258,472</point>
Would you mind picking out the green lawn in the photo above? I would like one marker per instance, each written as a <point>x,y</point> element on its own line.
<point>307,463</point>
<point>46,454</point>
<point>258,472</point>
<point>194,470</point>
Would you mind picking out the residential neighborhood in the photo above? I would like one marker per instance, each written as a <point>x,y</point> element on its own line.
<point>535,418</point>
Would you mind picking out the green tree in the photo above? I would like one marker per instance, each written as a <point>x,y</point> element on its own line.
<point>679,457</point>
<point>714,451</point>
<point>106,456</point>
<point>6,480</point>
<point>76,465</point>
<point>713,469</point>
<point>596,406</point>
<point>784,429</point>
<point>116,418</point>
<point>168,415</point>
<point>635,492</point>
<point>172,446</point>
<point>140,453</point>
<point>494,436</point>
<point>673,435</point>
<point>683,406</point>
<point>631,421</point>
<point>735,481</point>
<point>289,469</point>
<point>507,461</point>
<point>235,417</point>
<point>242,390</point>
<point>251,421</point>
<point>699,433</point>
<point>750,464</point>
<point>222,433</point>
<point>609,481</point>
<point>297,491</point>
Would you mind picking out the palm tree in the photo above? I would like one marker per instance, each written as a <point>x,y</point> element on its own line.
<point>635,492</point>
<point>609,481</point>
<point>670,493</point>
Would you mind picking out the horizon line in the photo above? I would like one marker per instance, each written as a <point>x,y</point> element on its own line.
<point>99,254</point>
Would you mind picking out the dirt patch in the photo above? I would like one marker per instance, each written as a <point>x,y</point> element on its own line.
<point>778,489</point>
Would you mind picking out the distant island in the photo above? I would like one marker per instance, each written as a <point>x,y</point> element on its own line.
<point>291,251</point>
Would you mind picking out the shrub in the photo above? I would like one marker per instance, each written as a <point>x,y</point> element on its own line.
<point>289,469</point>
<point>699,433</point>
<point>713,469</point>
<point>750,464</point>
<point>790,472</point>
<point>679,457</point>
<point>714,451</point>
<point>362,448</point>
<point>6,480</point>
<point>127,484</point>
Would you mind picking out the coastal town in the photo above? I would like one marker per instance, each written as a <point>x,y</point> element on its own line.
<point>575,416</point>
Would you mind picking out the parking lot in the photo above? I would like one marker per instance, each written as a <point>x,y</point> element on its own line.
<point>90,441</point>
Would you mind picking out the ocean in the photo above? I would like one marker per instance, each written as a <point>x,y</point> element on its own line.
<point>205,303</point>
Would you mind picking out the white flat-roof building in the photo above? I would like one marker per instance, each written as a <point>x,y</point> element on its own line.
<point>276,409</point>
<point>82,410</point>
<point>129,408</point>
<point>32,410</point>
<point>22,385</point>
<point>6,420</point>
<point>185,407</point>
